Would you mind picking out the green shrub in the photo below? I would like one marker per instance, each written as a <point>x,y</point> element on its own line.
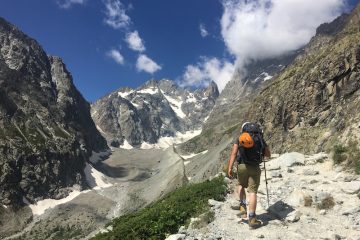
<point>350,153</point>
<point>354,155</point>
<point>339,154</point>
<point>167,215</point>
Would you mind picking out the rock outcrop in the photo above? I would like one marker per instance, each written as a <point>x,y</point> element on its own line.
<point>46,131</point>
<point>156,109</point>
<point>314,103</point>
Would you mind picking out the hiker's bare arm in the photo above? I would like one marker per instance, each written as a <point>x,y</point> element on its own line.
<point>232,159</point>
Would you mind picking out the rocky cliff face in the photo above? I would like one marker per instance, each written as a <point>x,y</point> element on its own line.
<point>46,131</point>
<point>156,109</point>
<point>315,102</point>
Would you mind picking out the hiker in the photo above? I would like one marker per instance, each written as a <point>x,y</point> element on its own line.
<point>250,148</point>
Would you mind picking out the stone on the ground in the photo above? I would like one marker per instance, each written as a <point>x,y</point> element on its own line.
<point>260,236</point>
<point>336,236</point>
<point>351,211</point>
<point>322,212</point>
<point>214,203</point>
<point>291,159</point>
<point>194,222</point>
<point>272,165</point>
<point>316,158</point>
<point>310,172</point>
<point>293,216</point>
<point>351,187</point>
<point>234,204</point>
<point>299,198</point>
<point>276,174</point>
<point>290,170</point>
<point>312,181</point>
<point>227,180</point>
<point>350,178</point>
<point>176,237</point>
<point>182,230</point>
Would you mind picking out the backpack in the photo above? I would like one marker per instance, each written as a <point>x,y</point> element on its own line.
<point>252,154</point>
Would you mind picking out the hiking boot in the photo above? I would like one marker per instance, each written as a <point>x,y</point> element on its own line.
<point>243,211</point>
<point>254,223</point>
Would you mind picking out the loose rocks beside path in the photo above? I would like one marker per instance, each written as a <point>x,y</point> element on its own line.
<point>309,199</point>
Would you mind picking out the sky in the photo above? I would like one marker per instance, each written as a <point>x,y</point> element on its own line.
<point>108,44</point>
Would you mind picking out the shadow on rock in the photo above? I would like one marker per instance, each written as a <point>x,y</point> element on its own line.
<point>280,210</point>
<point>111,171</point>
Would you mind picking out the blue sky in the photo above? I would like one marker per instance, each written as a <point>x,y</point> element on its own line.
<point>191,41</point>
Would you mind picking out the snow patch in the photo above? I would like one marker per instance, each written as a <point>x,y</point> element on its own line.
<point>175,104</point>
<point>4,206</point>
<point>95,178</point>
<point>98,156</point>
<point>165,142</point>
<point>186,162</point>
<point>191,98</point>
<point>134,104</point>
<point>206,118</point>
<point>266,76</point>
<point>148,91</point>
<point>193,155</point>
<point>126,145</point>
<point>125,94</point>
<point>41,206</point>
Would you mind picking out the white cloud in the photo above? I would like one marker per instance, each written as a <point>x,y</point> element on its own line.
<point>116,16</point>
<point>144,63</point>
<point>254,30</point>
<point>135,42</point>
<point>209,69</point>
<point>68,3</point>
<point>203,31</point>
<point>116,56</point>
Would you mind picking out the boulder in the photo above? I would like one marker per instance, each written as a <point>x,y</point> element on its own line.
<point>276,174</point>
<point>293,216</point>
<point>299,198</point>
<point>176,237</point>
<point>351,187</point>
<point>234,204</point>
<point>291,159</point>
<point>214,203</point>
<point>310,172</point>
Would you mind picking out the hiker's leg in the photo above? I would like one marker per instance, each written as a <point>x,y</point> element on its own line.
<point>252,202</point>
<point>243,181</point>
<point>242,194</point>
<point>254,182</point>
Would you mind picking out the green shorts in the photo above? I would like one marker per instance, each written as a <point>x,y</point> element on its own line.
<point>249,177</point>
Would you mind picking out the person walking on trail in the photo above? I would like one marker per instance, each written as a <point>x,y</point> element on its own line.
<point>249,148</point>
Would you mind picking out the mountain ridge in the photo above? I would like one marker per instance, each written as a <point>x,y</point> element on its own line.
<point>158,108</point>
<point>46,133</point>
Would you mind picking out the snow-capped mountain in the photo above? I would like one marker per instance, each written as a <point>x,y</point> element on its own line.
<point>158,113</point>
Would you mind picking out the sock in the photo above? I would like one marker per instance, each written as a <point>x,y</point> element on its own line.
<point>252,214</point>
<point>243,202</point>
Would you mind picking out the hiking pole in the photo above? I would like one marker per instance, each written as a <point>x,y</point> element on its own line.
<point>267,190</point>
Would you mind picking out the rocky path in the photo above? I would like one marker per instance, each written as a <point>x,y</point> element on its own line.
<point>309,199</point>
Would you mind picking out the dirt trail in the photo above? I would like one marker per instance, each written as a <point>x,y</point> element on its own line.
<point>331,197</point>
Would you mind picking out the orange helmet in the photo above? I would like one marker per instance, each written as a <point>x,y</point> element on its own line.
<point>246,140</point>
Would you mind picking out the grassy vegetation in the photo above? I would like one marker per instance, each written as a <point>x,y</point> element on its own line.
<point>167,215</point>
<point>350,154</point>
